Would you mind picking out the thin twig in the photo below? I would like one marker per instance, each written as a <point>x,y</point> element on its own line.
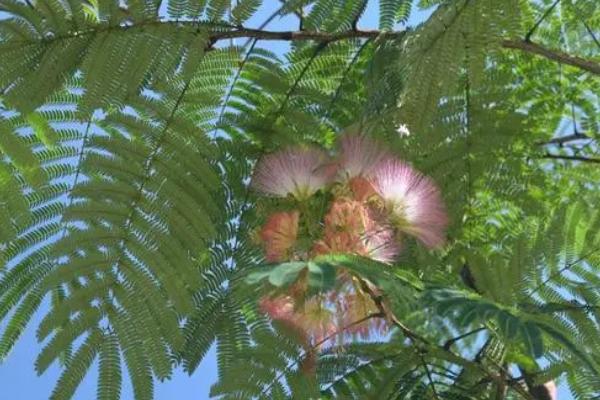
<point>567,267</point>
<point>237,76</point>
<point>382,307</point>
<point>561,140</point>
<point>430,378</point>
<point>298,13</point>
<point>450,342</point>
<point>320,47</point>
<point>587,27</point>
<point>425,345</point>
<point>346,72</point>
<point>317,345</point>
<point>571,158</point>
<point>146,174</point>
<point>80,156</point>
<point>539,21</point>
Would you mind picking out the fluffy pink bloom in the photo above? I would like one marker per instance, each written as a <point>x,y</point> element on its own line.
<point>311,318</point>
<point>317,320</point>
<point>362,189</point>
<point>413,201</point>
<point>347,216</point>
<point>382,244</point>
<point>351,228</point>
<point>359,155</point>
<point>353,306</point>
<point>279,235</point>
<point>299,171</point>
<point>345,227</point>
<point>278,308</point>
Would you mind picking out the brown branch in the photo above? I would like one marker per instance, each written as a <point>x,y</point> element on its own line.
<point>571,158</point>
<point>305,35</point>
<point>450,342</point>
<point>525,46</point>
<point>502,388</point>
<point>561,140</point>
<point>379,301</point>
<point>424,345</point>
<point>220,31</point>
<point>554,55</point>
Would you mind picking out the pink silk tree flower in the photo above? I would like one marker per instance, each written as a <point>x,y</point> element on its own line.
<point>341,242</point>
<point>299,171</point>
<point>345,226</point>
<point>382,244</point>
<point>278,308</point>
<point>413,201</point>
<point>354,307</point>
<point>348,216</point>
<point>279,235</point>
<point>351,228</point>
<point>317,320</point>
<point>359,156</point>
<point>311,318</point>
<point>362,189</point>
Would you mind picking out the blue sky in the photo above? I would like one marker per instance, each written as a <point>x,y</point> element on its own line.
<point>18,380</point>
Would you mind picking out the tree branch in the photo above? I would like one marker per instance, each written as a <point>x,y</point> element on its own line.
<point>571,158</point>
<point>305,35</point>
<point>425,346</point>
<point>389,315</point>
<point>221,31</point>
<point>450,342</point>
<point>561,140</point>
<point>554,55</point>
<point>216,32</point>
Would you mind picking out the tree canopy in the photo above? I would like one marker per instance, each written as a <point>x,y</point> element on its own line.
<point>130,133</point>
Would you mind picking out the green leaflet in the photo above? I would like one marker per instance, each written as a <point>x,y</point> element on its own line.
<point>42,129</point>
<point>16,149</point>
<point>320,277</point>
<point>280,275</point>
<point>468,310</point>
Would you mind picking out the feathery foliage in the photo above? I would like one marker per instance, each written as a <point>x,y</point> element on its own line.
<point>128,135</point>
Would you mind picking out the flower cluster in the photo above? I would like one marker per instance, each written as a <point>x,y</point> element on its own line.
<point>362,200</point>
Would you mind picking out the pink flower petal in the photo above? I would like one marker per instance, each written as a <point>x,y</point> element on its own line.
<point>382,244</point>
<point>279,235</point>
<point>362,188</point>
<point>359,156</point>
<point>278,308</point>
<point>299,171</point>
<point>350,227</point>
<point>413,200</point>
